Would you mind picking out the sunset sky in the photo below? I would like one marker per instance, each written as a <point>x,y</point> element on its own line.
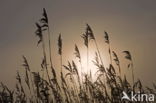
<point>131,25</point>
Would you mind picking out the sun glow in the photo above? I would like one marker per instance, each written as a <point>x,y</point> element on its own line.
<point>88,66</point>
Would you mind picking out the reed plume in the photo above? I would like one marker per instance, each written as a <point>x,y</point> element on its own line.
<point>60,49</point>
<point>106,36</point>
<point>129,57</point>
<point>116,59</point>
<point>49,87</point>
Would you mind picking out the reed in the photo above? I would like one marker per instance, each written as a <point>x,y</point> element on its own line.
<point>73,85</point>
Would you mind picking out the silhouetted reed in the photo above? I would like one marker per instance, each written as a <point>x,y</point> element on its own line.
<point>72,84</point>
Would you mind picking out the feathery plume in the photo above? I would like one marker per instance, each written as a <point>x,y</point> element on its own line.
<point>116,59</point>
<point>60,45</point>
<point>39,33</point>
<point>106,37</point>
<point>25,64</point>
<point>128,55</point>
<point>88,35</point>
<point>74,68</point>
<point>45,16</point>
<point>37,78</point>
<point>89,32</point>
<point>85,38</point>
<point>18,77</point>
<point>77,52</point>
<point>27,79</point>
<point>44,20</point>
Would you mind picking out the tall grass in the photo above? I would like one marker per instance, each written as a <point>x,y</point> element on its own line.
<point>72,85</point>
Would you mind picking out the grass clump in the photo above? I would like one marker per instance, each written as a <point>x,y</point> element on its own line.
<point>72,86</point>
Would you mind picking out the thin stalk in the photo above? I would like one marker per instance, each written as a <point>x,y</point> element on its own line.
<point>119,69</point>
<point>110,53</point>
<point>33,87</point>
<point>61,63</point>
<point>33,90</point>
<point>99,52</point>
<point>81,72</point>
<point>75,88</point>
<point>101,60</point>
<point>50,48</point>
<point>132,74</point>
<point>50,55</point>
<point>87,60</point>
<point>44,54</point>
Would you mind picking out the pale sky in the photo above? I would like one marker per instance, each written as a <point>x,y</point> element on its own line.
<point>130,23</point>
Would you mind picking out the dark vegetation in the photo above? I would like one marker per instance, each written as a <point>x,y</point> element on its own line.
<point>72,86</point>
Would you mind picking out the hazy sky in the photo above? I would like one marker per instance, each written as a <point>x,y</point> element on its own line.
<point>130,23</point>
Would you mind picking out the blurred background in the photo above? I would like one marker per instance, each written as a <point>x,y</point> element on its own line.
<point>131,25</point>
